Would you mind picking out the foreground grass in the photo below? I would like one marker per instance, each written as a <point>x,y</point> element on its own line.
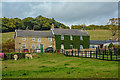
<point>51,65</point>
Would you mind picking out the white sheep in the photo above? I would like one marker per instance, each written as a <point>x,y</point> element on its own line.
<point>15,57</point>
<point>28,56</point>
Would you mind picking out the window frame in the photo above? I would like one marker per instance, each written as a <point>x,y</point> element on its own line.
<point>24,38</point>
<point>24,46</point>
<point>33,39</point>
<point>38,39</point>
<point>49,38</point>
<point>81,37</point>
<point>62,37</point>
<point>71,45</point>
<point>71,38</point>
<point>80,46</point>
<point>32,46</point>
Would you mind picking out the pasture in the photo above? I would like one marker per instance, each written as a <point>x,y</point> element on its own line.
<point>53,65</point>
<point>94,35</point>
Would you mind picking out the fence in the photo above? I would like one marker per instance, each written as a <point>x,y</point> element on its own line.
<point>103,54</point>
<point>11,56</point>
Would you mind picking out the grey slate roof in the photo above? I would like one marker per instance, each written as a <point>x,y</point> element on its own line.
<point>70,32</point>
<point>101,41</point>
<point>30,33</point>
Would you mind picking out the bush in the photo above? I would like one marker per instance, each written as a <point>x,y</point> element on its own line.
<point>110,45</point>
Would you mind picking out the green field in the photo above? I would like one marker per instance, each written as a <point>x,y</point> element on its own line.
<point>94,35</point>
<point>101,34</point>
<point>51,65</point>
<point>6,36</point>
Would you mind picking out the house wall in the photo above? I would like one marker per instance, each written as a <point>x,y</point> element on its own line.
<point>76,42</point>
<point>28,42</point>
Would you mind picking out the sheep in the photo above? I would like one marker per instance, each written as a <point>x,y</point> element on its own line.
<point>28,56</point>
<point>15,57</point>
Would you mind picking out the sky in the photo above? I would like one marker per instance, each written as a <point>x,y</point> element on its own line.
<point>68,13</point>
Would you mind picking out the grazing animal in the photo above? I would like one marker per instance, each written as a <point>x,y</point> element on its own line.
<point>28,56</point>
<point>15,57</point>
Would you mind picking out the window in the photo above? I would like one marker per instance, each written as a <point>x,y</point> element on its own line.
<point>50,45</point>
<point>62,46</point>
<point>33,46</point>
<point>81,38</point>
<point>33,39</point>
<point>71,46</point>
<point>62,37</point>
<point>23,46</point>
<point>70,37</point>
<point>23,38</point>
<point>38,40</point>
<point>37,46</point>
<point>49,39</point>
<point>81,46</point>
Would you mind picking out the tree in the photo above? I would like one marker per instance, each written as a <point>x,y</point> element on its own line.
<point>110,45</point>
<point>113,25</point>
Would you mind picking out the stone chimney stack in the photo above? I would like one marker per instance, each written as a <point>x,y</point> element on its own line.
<point>52,26</point>
<point>83,27</point>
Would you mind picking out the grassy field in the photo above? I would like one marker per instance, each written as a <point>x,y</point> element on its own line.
<point>51,65</point>
<point>94,35</point>
<point>6,36</point>
<point>101,34</point>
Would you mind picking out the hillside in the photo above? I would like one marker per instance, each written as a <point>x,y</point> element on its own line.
<point>94,35</point>
<point>101,34</point>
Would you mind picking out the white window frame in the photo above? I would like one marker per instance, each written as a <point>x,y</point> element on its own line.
<point>62,45</point>
<point>38,39</point>
<point>33,39</point>
<point>23,38</point>
<point>81,46</point>
<point>62,37</point>
<point>50,45</point>
<point>32,46</point>
<point>81,38</point>
<point>49,39</point>
<point>37,46</point>
<point>71,38</point>
<point>24,46</point>
<point>71,45</point>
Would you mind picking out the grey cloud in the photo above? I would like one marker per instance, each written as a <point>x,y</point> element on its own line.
<point>66,12</point>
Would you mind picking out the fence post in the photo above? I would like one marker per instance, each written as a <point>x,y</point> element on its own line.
<point>103,54</point>
<point>96,51</point>
<point>85,54</point>
<point>90,54</point>
<point>75,52</point>
<point>110,51</point>
<point>72,52</point>
<point>81,53</point>
<point>78,52</point>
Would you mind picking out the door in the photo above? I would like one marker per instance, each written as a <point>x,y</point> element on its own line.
<point>62,46</point>
<point>41,47</point>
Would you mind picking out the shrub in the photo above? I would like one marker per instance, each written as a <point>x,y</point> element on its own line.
<point>110,45</point>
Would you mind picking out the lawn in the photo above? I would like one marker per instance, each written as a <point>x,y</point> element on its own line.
<point>52,65</point>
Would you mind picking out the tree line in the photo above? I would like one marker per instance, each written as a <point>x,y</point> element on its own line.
<point>38,23</point>
<point>93,27</point>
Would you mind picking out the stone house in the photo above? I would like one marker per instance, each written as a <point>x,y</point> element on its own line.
<point>55,38</point>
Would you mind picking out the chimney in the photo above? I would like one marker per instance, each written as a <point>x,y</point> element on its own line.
<point>83,27</point>
<point>52,26</point>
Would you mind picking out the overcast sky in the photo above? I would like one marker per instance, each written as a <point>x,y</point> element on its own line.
<point>68,13</point>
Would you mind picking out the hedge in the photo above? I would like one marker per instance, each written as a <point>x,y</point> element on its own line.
<point>76,42</point>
